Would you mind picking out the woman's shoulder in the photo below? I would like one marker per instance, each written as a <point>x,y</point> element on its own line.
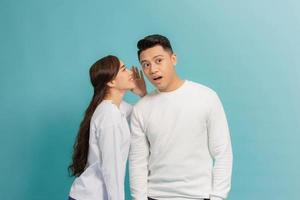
<point>106,114</point>
<point>126,108</point>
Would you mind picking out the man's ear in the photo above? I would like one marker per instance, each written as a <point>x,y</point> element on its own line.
<point>174,59</point>
<point>111,84</point>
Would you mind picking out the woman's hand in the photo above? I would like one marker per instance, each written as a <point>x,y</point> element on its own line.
<point>140,85</point>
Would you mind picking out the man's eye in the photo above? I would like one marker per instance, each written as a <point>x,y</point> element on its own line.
<point>158,60</point>
<point>146,65</point>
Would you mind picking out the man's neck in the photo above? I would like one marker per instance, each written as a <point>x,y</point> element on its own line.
<point>175,84</point>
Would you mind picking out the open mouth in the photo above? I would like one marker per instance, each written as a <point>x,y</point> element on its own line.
<point>157,78</point>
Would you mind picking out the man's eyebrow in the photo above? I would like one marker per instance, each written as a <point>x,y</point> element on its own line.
<point>142,61</point>
<point>152,58</point>
<point>158,56</point>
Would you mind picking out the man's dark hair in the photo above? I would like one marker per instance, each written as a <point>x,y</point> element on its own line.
<point>154,40</point>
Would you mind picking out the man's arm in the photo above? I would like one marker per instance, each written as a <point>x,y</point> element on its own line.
<point>220,149</point>
<point>138,159</point>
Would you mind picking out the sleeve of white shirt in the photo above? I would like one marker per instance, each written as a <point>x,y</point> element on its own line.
<point>110,152</point>
<point>220,149</point>
<point>138,159</point>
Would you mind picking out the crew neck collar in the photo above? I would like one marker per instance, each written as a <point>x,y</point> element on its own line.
<point>183,85</point>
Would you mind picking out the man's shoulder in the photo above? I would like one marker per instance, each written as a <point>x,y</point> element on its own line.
<point>146,100</point>
<point>201,88</point>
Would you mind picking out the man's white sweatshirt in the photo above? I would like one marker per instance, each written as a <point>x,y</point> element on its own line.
<point>180,145</point>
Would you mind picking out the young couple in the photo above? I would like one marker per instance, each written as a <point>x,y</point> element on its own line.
<point>178,140</point>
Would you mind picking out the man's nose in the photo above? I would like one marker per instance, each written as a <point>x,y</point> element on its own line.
<point>153,68</point>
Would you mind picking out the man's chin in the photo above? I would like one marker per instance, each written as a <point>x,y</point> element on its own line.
<point>160,88</point>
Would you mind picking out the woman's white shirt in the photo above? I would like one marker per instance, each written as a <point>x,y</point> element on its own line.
<point>103,178</point>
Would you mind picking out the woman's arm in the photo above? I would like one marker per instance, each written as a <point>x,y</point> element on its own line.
<point>111,156</point>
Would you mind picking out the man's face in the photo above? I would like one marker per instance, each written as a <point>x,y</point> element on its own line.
<point>158,65</point>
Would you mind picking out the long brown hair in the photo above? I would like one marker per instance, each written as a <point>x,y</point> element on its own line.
<point>101,72</point>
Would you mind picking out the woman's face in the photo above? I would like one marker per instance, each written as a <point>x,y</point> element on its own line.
<point>124,79</point>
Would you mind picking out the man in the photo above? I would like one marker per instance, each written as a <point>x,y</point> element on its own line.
<point>180,142</point>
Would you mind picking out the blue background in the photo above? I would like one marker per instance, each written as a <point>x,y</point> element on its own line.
<point>248,51</point>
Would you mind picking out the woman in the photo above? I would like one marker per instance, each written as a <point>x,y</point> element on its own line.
<point>102,144</point>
